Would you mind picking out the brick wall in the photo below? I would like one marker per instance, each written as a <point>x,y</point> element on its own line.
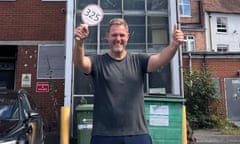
<point>35,20</point>
<point>32,20</point>
<point>220,68</point>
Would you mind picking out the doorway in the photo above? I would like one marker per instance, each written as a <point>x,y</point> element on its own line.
<point>8,57</point>
<point>232,87</point>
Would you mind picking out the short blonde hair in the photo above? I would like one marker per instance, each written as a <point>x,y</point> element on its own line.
<point>117,21</point>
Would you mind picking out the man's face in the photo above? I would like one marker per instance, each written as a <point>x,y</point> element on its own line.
<point>117,38</point>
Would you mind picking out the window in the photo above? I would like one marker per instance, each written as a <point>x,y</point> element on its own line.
<point>222,24</point>
<point>184,8</point>
<point>51,62</point>
<point>189,43</point>
<point>149,30</point>
<point>148,22</point>
<point>222,47</point>
<point>216,82</point>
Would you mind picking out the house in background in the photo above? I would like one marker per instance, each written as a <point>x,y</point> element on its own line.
<point>212,42</point>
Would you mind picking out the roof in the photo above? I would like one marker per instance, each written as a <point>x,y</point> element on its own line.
<point>222,6</point>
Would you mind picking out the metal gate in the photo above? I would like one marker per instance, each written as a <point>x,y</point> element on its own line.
<point>232,86</point>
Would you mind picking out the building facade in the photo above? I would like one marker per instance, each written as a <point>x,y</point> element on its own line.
<point>34,46</point>
<point>212,42</point>
<point>32,32</point>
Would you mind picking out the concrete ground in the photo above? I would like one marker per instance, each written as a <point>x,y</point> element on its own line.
<point>215,137</point>
<point>52,138</point>
<point>203,136</point>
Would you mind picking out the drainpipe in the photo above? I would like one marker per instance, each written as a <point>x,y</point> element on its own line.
<point>210,30</point>
<point>204,63</point>
<point>190,63</point>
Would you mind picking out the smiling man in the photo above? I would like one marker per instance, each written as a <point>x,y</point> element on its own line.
<point>118,77</point>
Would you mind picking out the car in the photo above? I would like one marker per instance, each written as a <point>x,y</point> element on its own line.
<point>20,120</point>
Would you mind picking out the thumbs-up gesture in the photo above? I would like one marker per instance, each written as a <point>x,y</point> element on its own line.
<point>177,36</point>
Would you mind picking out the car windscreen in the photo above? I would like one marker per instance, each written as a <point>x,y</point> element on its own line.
<point>9,109</point>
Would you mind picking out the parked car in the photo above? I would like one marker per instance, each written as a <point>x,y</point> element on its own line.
<point>20,120</point>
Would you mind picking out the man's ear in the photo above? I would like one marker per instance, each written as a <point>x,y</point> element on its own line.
<point>129,35</point>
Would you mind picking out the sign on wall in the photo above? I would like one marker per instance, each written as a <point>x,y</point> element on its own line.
<point>42,87</point>
<point>26,80</point>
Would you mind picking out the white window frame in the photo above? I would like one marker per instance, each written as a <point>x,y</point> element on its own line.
<point>148,47</point>
<point>222,27</point>
<point>189,43</point>
<point>51,69</point>
<point>181,6</point>
<point>222,47</point>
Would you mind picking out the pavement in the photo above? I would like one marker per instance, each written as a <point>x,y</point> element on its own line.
<point>203,136</point>
<point>213,136</point>
<point>52,138</point>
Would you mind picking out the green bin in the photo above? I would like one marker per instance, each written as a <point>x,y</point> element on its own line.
<point>164,117</point>
<point>84,123</point>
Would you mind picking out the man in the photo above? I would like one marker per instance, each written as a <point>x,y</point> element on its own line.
<point>118,77</point>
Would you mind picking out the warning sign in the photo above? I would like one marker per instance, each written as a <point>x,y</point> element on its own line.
<point>42,87</point>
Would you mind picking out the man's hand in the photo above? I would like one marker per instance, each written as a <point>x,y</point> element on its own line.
<point>81,32</point>
<point>178,36</point>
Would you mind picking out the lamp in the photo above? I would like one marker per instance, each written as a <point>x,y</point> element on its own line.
<point>238,72</point>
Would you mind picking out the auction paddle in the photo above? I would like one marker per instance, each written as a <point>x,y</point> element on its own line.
<point>91,15</point>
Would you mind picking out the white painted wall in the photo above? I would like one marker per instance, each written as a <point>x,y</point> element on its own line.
<point>232,37</point>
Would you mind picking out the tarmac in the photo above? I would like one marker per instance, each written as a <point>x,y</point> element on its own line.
<point>203,136</point>
<point>214,136</point>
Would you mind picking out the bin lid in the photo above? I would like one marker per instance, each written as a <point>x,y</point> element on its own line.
<point>165,99</point>
<point>84,107</point>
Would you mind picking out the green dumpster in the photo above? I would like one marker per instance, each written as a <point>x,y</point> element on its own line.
<point>164,117</point>
<point>84,123</point>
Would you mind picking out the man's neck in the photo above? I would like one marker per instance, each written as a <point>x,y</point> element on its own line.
<point>117,55</point>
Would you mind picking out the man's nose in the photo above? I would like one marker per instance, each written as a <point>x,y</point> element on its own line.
<point>118,37</point>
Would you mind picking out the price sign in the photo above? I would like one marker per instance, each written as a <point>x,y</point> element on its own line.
<point>92,15</point>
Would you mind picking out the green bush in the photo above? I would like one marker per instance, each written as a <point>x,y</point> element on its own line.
<point>199,91</point>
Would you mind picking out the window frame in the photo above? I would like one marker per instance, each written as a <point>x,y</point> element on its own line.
<point>222,47</point>
<point>123,13</point>
<point>181,8</point>
<point>221,27</point>
<point>62,75</point>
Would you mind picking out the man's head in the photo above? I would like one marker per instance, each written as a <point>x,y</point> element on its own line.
<point>117,35</point>
<point>117,21</point>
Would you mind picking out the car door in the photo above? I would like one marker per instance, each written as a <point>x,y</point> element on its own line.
<point>34,121</point>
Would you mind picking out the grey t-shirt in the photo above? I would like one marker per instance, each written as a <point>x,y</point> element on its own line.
<point>118,96</point>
